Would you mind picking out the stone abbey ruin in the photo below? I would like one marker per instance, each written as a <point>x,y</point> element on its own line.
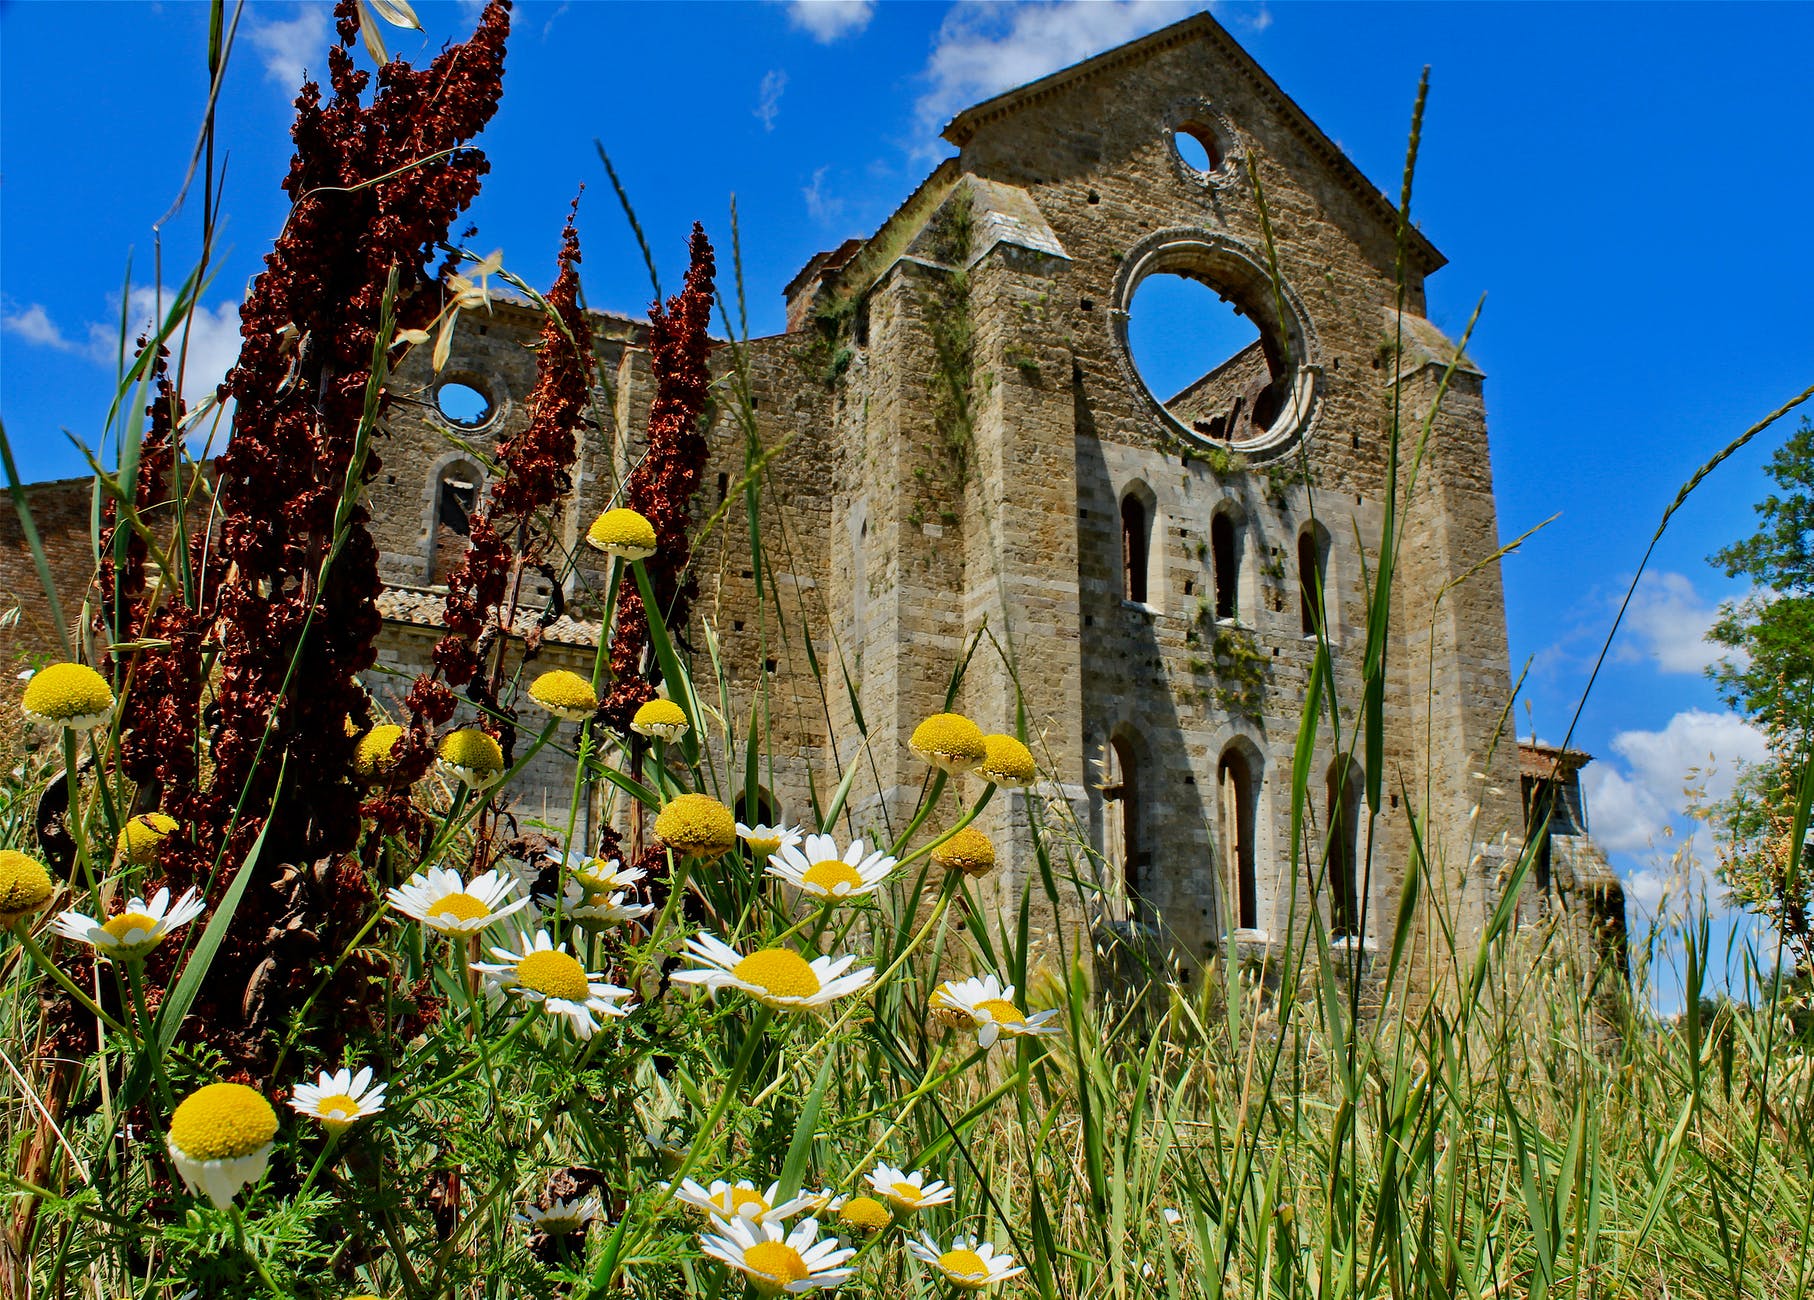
<point>957,440</point>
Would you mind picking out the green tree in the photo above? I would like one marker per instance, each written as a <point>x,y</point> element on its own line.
<point>1771,680</point>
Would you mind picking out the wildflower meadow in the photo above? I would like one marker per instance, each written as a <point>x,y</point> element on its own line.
<point>295,1005</point>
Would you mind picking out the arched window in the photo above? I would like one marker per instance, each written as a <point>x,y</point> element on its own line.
<point>765,811</point>
<point>1136,538</point>
<point>1225,554</point>
<point>1312,562</point>
<point>1121,815</point>
<point>1346,907</point>
<point>456,498</point>
<point>1239,792</point>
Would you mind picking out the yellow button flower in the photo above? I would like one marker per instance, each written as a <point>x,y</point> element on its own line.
<point>661,718</point>
<point>1006,762</point>
<point>565,695</point>
<point>144,835</point>
<point>25,885</point>
<point>697,825</point>
<point>949,741</point>
<point>471,755</point>
<point>73,696</point>
<point>623,533</point>
<point>220,1138</point>
<point>375,757</point>
<point>968,851</point>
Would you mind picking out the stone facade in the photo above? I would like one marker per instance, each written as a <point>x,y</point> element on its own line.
<point>955,450</point>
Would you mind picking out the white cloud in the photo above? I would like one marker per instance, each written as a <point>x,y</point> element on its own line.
<point>291,47</point>
<point>768,97</point>
<point>828,20</point>
<point>212,347</point>
<point>820,206</point>
<point>984,49</point>
<point>34,325</point>
<point>1636,805</point>
<point>1668,621</point>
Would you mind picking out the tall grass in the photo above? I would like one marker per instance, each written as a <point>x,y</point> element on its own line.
<point>1481,1136</point>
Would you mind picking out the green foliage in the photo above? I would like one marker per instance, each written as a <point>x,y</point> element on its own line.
<point>1241,669</point>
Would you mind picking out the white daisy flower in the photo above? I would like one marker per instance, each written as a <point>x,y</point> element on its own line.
<point>989,1007</point>
<point>220,1139</point>
<point>741,1200</point>
<point>970,1265</point>
<point>776,977</point>
<point>562,1218</point>
<point>597,910</point>
<point>908,1191</point>
<point>665,1148</point>
<point>545,973</point>
<point>599,875</point>
<point>136,928</point>
<point>443,902</point>
<point>793,1264</point>
<point>340,1099</point>
<point>817,868</point>
<point>764,840</point>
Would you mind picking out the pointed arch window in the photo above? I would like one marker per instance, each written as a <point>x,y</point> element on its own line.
<point>1225,556</point>
<point>1313,560</point>
<point>1346,907</point>
<point>456,499</point>
<point>1238,787</point>
<point>1121,816</point>
<point>1136,547</point>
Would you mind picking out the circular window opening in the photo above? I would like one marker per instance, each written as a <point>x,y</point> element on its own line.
<point>1198,147</point>
<point>1203,359</point>
<point>462,404</point>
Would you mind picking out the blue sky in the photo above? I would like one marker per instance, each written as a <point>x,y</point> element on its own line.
<point>1629,184</point>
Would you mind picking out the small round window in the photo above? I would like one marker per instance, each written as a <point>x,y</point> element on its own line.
<point>1199,147</point>
<point>463,404</point>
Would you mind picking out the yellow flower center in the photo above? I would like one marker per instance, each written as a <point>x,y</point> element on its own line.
<point>831,873</point>
<point>125,923</point>
<point>553,974</point>
<point>222,1121</point>
<point>457,907</point>
<point>963,1263</point>
<point>1001,1011</point>
<point>742,1196</point>
<point>24,883</point>
<point>339,1107</point>
<point>778,972</point>
<point>907,1193</point>
<point>778,1263</point>
<point>764,845</point>
<point>864,1212</point>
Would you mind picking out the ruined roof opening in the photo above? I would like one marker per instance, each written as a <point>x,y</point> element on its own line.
<point>463,404</point>
<point>1198,146</point>
<point>1223,354</point>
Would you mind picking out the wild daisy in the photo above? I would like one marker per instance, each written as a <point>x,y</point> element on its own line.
<point>661,719</point>
<point>949,741</point>
<point>909,1191</point>
<point>741,1200</point>
<point>970,1265</point>
<point>862,1213</point>
<point>142,837</point>
<point>473,756</point>
<point>817,868</point>
<point>221,1138</point>
<point>1007,763</point>
<point>546,974</point>
<point>764,840</point>
<point>339,1100</point>
<point>601,876</point>
<point>697,825</point>
<point>561,1218</point>
<point>136,928</point>
<point>443,902</point>
<point>793,1264</point>
<point>375,756</point>
<point>597,910</point>
<point>71,696</point>
<point>989,1008</point>
<point>25,886</point>
<point>776,977</point>
<point>565,695</point>
<point>623,533</point>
